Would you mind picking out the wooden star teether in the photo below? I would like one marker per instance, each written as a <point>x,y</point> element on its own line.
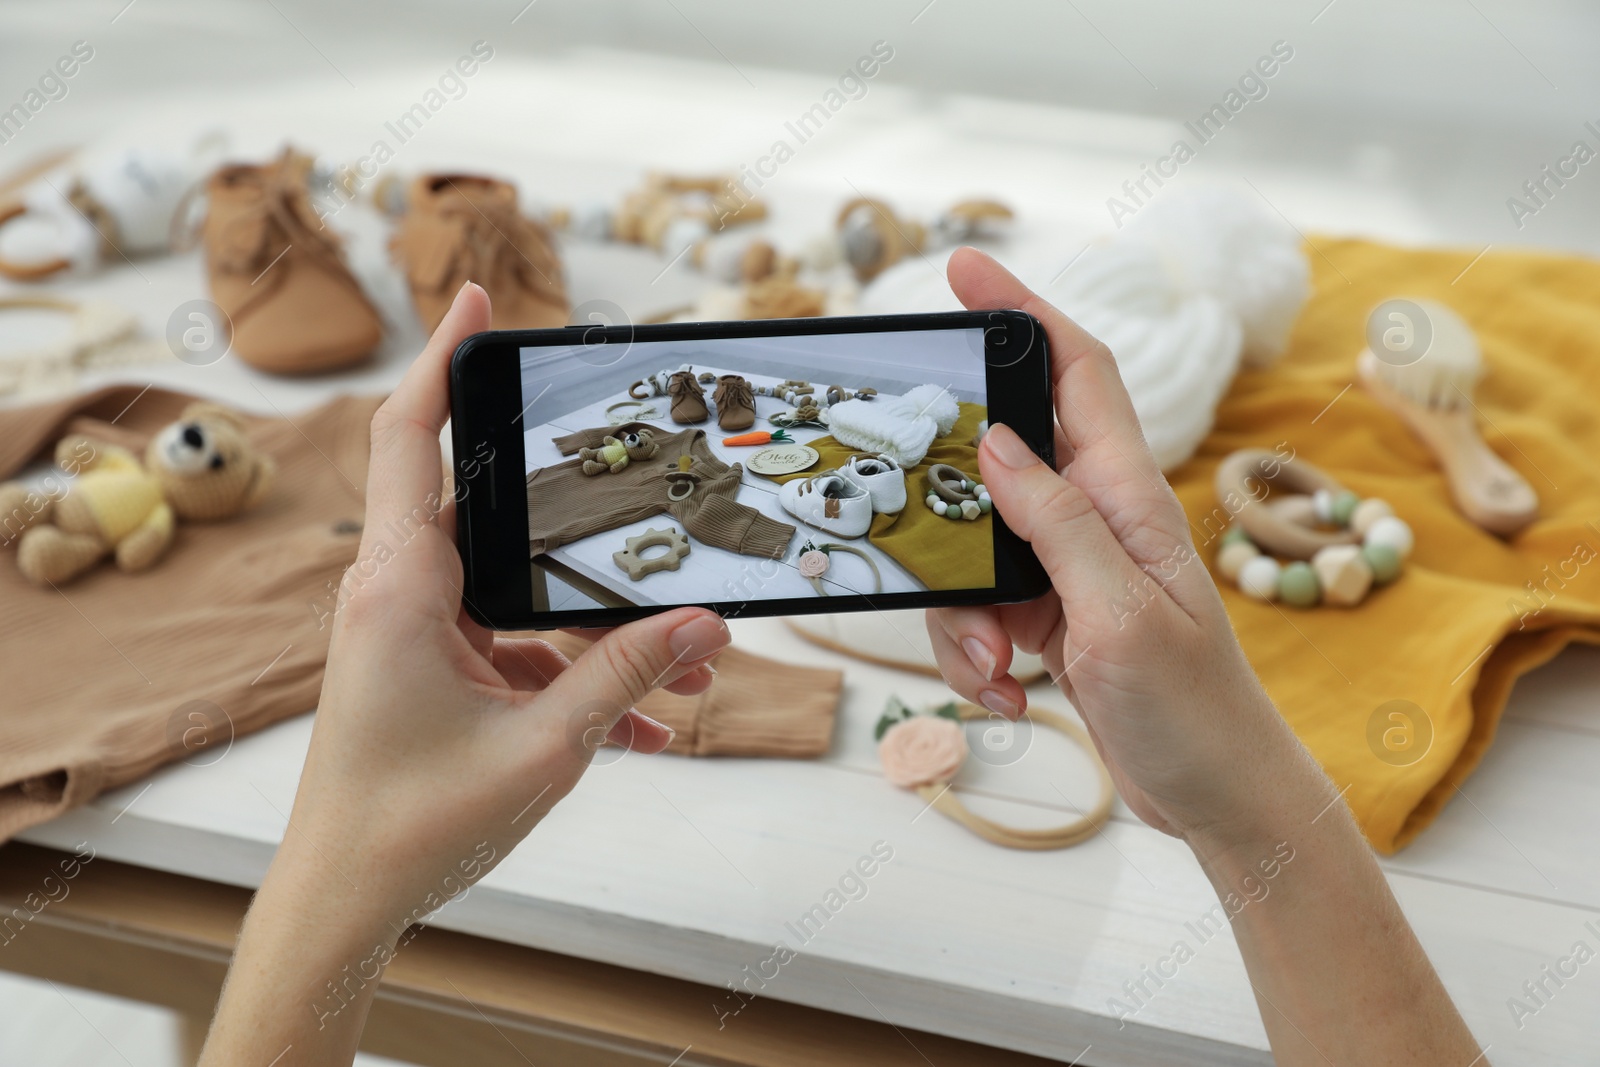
<point>637,567</point>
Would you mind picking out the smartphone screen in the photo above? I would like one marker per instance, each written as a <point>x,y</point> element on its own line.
<point>759,474</point>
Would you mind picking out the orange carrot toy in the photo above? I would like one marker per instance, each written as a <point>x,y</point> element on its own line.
<point>760,437</point>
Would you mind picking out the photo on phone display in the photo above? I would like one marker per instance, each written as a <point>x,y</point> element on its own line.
<point>737,469</point>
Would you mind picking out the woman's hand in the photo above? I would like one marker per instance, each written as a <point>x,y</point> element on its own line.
<point>437,744</point>
<point>1136,636</point>
<point>1133,631</point>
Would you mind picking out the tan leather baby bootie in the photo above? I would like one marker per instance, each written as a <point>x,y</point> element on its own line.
<point>688,399</point>
<point>280,274</point>
<point>736,403</point>
<point>461,227</point>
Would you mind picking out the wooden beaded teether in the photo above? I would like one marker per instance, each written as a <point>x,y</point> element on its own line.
<point>953,495</point>
<point>1351,544</point>
<point>629,560</point>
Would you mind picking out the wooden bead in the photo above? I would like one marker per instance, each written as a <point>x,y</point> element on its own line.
<point>1384,561</point>
<point>1233,557</point>
<point>1344,506</point>
<point>1298,586</point>
<point>1392,532</point>
<point>1343,574</point>
<point>1368,512</point>
<point>1258,578</point>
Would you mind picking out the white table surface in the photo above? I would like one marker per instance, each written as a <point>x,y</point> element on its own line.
<point>701,863</point>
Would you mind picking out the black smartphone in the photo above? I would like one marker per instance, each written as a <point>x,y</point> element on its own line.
<point>776,467</point>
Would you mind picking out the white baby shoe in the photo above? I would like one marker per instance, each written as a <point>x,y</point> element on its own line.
<point>829,501</point>
<point>882,478</point>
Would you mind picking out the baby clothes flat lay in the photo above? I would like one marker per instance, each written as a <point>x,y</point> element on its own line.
<point>1445,643</point>
<point>118,673</point>
<point>682,479</point>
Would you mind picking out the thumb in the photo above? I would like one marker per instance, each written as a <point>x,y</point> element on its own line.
<point>629,663</point>
<point>1087,565</point>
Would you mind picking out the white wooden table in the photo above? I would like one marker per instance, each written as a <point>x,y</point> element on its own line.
<point>694,868</point>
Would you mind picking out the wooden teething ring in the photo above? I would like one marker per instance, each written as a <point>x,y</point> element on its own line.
<point>946,481</point>
<point>1271,527</point>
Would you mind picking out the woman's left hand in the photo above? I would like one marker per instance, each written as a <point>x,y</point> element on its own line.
<point>438,745</point>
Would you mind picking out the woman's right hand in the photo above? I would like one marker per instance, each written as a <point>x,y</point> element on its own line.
<point>1133,631</point>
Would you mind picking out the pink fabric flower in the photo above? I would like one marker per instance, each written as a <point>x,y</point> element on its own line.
<point>813,564</point>
<point>922,750</point>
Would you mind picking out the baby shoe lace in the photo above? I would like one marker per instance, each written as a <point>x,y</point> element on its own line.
<point>735,392</point>
<point>279,218</point>
<point>492,236</point>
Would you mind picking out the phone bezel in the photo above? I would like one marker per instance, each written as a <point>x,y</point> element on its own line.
<point>486,432</point>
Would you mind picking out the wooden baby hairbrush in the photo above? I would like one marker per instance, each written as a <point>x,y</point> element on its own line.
<point>1422,362</point>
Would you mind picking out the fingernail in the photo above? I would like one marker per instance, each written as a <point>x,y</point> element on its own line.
<point>999,704</point>
<point>1004,445</point>
<point>699,637</point>
<point>980,656</point>
<point>671,733</point>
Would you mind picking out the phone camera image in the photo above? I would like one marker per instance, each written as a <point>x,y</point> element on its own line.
<point>756,468</point>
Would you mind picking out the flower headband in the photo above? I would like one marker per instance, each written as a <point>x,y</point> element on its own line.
<point>924,753</point>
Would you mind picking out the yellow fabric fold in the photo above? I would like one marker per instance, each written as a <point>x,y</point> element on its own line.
<point>1471,613</point>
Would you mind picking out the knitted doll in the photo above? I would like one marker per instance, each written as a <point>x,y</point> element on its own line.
<point>201,467</point>
<point>614,454</point>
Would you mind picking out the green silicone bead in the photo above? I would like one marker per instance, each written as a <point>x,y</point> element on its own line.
<point>1344,505</point>
<point>1297,585</point>
<point>985,505</point>
<point>1384,561</point>
<point>1234,533</point>
<point>952,511</point>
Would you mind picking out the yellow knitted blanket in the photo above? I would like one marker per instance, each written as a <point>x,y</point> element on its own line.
<point>1399,697</point>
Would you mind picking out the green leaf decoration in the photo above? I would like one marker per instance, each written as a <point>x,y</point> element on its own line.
<point>884,722</point>
<point>948,711</point>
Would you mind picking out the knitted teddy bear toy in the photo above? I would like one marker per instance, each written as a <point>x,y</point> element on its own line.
<point>200,468</point>
<point>615,454</point>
